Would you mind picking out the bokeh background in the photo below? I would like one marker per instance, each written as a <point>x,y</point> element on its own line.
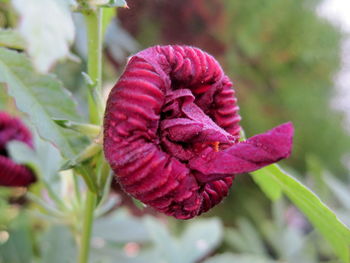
<point>289,61</point>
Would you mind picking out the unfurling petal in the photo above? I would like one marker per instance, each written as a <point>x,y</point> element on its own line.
<point>247,156</point>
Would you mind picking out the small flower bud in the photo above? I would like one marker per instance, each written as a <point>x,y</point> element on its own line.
<point>11,173</point>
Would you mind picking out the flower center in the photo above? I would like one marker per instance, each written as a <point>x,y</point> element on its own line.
<point>187,126</point>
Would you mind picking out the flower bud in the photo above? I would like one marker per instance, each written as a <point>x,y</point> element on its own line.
<point>171,132</point>
<point>11,173</point>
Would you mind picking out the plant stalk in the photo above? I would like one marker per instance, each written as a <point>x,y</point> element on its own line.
<point>87,227</point>
<point>93,21</point>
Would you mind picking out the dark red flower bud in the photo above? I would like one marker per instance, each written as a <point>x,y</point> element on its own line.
<point>171,132</point>
<point>11,173</point>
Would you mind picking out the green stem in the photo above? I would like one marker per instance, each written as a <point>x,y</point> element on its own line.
<point>93,20</point>
<point>87,227</point>
<point>76,189</point>
<point>89,178</point>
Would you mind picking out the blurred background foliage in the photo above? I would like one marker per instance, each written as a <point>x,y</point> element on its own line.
<point>282,58</point>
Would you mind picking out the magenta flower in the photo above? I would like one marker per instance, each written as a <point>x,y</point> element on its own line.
<point>11,173</point>
<point>171,132</point>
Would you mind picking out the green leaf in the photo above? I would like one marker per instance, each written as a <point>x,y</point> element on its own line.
<point>21,153</point>
<point>41,97</point>
<point>11,39</point>
<point>58,246</point>
<point>45,160</point>
<point>3,97</point>
<point>200,238</point>
<point>267,184</point>
<point>18,248</point>
<point>125,228</point>
<point>48,29</point>
<point>108,15</point>
<point>197,241</point>
<point>322,218</point>
<point>166,246</point>
<point>235,258</point>
<point>245,238</point>
<point>90,130</point>
<point>112,255</point>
